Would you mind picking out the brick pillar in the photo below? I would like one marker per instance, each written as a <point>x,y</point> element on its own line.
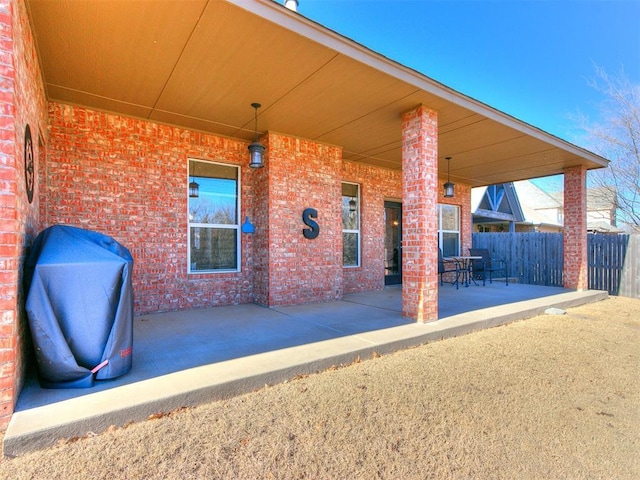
<point>420,214</point>
<point>9,254</point>
<point>575,228</point>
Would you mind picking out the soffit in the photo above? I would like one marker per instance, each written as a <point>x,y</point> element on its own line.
<point>199,64</point>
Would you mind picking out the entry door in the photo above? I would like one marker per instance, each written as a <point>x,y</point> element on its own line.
<point>393,243</point>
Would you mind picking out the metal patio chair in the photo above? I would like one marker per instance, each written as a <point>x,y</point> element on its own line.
<point>447,267</point>
<point>488,265</point>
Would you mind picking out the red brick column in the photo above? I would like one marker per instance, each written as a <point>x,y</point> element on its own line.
<point>22,102</point>
<point>419,214</point>
<point>9,244</point>
<point>575,228</point>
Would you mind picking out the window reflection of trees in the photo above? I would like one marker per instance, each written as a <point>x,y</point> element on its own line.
<point>212,214</point>
<point>350,224</point>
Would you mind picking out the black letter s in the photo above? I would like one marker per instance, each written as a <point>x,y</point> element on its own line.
<point>314,229</point>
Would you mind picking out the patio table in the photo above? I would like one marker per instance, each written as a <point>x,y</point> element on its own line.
<point>464,267</point>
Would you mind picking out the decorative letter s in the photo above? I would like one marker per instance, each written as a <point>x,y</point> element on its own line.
<point>314,229</point>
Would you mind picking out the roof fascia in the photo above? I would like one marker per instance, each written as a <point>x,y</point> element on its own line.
<point>489,215</point>
<point>514,201</point>
<point>294,21</point>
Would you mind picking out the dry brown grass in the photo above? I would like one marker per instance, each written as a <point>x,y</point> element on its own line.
<point>549,397</point>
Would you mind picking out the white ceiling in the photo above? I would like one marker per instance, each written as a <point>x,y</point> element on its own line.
<point>200,64</point>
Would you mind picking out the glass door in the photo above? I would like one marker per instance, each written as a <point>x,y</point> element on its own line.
<point>393,243</point>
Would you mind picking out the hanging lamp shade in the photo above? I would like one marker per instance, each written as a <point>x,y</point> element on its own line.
<point>449,187</point>
<point>194,189</point>
<point>256,149</point>
<point>256,152</point>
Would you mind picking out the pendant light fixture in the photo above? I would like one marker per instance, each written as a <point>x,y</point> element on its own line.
<point>449,186</point>
<point>256,149</point>
<point>194,189</point>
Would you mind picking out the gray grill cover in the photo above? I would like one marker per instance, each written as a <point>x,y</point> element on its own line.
<point>80,306</point>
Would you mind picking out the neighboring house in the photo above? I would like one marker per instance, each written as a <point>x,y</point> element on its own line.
<point>515,207</point>
<point>524,207</point>
<point>495,208</point>
<point>135,119</point>
<point>602,204</point>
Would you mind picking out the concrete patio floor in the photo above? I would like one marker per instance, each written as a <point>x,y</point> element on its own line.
<point>196,356</point>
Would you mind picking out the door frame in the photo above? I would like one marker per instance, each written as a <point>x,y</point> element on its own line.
<point>396,278</point>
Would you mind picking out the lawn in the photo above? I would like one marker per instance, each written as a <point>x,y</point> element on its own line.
<point>549,397</point>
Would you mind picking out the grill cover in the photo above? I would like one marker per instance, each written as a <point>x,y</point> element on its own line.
<point>79,306</point>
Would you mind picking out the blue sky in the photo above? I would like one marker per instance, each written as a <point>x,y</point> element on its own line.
<point>530,59</point>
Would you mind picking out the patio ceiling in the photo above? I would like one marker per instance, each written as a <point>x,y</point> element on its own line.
<point>200,64</point>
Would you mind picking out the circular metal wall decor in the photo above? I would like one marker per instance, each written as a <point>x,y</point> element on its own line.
<point>29,174</point>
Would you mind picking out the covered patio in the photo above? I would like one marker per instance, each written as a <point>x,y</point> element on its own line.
<point>108,139</point>
<point>332,111</point>
<point>190,357</point>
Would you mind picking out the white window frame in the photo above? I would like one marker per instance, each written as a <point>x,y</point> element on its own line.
<point>442,231</point>
<point>356,231</point>
<point>236,226</point>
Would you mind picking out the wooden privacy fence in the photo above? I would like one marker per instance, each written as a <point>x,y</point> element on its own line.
<point>532,258</point>
<point>614,264</point>
<point>537,259</point>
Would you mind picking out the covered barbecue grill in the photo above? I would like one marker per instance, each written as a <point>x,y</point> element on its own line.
<point>79,306</point>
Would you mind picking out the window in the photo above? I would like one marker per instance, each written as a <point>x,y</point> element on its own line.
<point>449,229</point>
<point>214,240</point>
<point>350,225</point>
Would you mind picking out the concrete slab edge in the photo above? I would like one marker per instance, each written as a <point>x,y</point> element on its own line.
<point>284,368</point>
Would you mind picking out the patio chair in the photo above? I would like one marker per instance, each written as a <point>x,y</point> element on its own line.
<point>447,267</point>
<point>487,265</point>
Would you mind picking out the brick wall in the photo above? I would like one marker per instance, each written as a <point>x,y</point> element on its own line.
<point>260,239</point>
<point>22,102</point>
<point>127,178</point>
<point>376,186</point>
<point>303,174</point>
<point>461,198</point>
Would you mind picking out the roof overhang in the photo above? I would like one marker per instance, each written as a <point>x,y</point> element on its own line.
<point>199,64</point>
